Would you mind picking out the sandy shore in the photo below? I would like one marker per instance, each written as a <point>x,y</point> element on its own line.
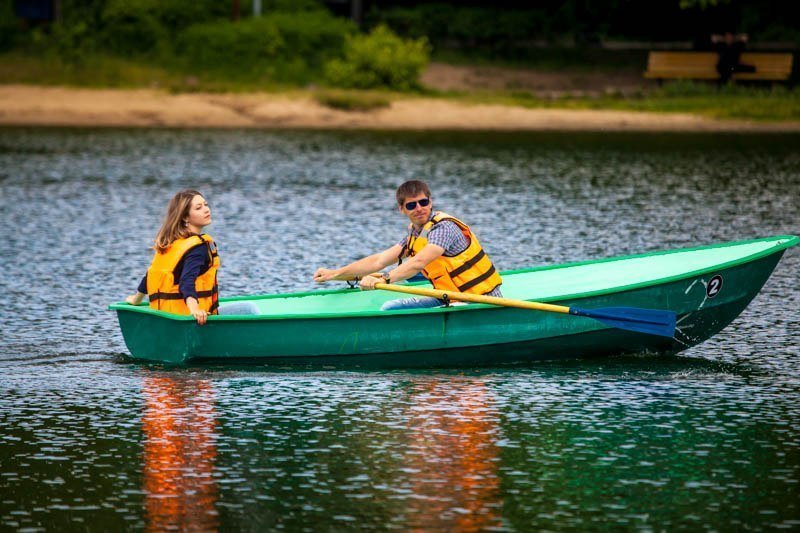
<point>22,105</point>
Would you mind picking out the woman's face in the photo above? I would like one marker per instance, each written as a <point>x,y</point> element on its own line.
<point>199,213</point>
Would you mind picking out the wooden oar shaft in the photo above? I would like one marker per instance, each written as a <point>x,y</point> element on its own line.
<point>474,298</point>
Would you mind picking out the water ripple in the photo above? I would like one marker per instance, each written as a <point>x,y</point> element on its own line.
<point>707,439</point>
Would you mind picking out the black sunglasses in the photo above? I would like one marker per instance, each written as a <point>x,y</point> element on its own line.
<point>423,202</point>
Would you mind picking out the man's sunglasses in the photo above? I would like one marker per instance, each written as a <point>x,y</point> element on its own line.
<point>423,202</point>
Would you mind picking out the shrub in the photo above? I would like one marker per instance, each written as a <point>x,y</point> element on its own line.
<point>10,28</point>
<point>410,22</point>
<point>290,5</point>
<point>72,43</point>
<point>380,59</point>
<point>177,15</point>
<point>314,36</point>
<point>231,46</point>
<point>447,25</point>
<point>10,36</point>
<point>131,28</point>
<point>286,46</point>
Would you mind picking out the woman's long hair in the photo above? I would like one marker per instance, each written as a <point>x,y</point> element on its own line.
<point>174,225</point>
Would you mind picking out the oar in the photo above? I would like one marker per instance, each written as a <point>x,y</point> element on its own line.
<point>652,321</point>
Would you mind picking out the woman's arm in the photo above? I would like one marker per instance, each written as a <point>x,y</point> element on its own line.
<point>194,308</point>
<point>195,262</point>
<point>136,299</point>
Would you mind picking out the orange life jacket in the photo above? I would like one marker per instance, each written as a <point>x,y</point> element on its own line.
<point>470,271</point>
<point>162,287</point>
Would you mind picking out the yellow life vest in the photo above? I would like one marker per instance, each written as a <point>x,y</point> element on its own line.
<point>470,271</point>
<point>162,287</point>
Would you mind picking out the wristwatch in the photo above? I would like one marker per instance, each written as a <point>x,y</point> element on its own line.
<point>386,279</point>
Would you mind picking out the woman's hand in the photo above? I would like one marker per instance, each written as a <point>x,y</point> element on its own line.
<point>194,308</point>
<point>201,316</point>
<point>135,299</point>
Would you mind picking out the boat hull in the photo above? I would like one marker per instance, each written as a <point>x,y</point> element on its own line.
<point>463,335</point>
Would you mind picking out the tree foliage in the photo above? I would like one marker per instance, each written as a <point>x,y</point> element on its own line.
<point>702,4</point>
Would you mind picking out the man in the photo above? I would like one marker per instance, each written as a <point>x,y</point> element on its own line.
<point>440,246</point>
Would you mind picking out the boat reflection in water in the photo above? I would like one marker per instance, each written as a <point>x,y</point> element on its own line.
<point>180,432</point>
<point>453,457</point>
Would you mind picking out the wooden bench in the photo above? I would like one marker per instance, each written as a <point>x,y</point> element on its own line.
<point>703,66</point>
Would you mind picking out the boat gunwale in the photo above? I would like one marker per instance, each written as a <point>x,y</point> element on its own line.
<point>791,240</point>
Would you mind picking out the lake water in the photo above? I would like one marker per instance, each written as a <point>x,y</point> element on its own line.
<point>89,440</point>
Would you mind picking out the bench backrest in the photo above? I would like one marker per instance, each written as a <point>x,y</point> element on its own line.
<point>703,65</point>
<point>772,64</point>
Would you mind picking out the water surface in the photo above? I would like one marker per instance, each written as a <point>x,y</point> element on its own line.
<point>88,440</point>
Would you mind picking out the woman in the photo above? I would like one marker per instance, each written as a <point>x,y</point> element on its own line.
<point>182,278</point>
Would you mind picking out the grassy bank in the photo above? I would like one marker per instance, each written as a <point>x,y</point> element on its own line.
<point>103,71</point>
<point>553,59</point>
<point>730,102</point>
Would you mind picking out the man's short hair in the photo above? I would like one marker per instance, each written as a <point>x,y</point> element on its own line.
<point>412,188</point>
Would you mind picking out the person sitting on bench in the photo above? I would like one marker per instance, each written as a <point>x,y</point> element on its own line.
<point>730,47</point>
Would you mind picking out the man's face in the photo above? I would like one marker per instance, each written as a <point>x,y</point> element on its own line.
<point>418,214</point>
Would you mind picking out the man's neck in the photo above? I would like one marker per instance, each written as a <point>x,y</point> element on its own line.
<point>419,228</point>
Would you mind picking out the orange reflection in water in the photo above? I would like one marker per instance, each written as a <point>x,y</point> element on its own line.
<point>453,457</point>
<point>179,427</point>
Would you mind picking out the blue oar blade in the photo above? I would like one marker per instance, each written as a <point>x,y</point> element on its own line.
<point>651,321</point>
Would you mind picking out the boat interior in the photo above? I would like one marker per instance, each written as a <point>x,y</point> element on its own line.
<point>544,283</point>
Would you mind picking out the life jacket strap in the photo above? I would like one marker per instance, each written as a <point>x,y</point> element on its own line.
<point>487,293</point>
<point>165,296</point>
<point>468,264</point>
<point>483,277</point>
<point>177,295</point>
<point>403,252</point>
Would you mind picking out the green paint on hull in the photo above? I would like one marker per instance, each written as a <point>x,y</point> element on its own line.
<point>346,328</point>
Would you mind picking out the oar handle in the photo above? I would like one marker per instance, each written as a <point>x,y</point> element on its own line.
<point>474,298</point>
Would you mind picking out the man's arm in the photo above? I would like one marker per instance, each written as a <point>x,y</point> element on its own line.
<point>362,267</point>
<point>408,269</point>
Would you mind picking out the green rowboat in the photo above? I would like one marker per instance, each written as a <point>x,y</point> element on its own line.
<point>707,287</point>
